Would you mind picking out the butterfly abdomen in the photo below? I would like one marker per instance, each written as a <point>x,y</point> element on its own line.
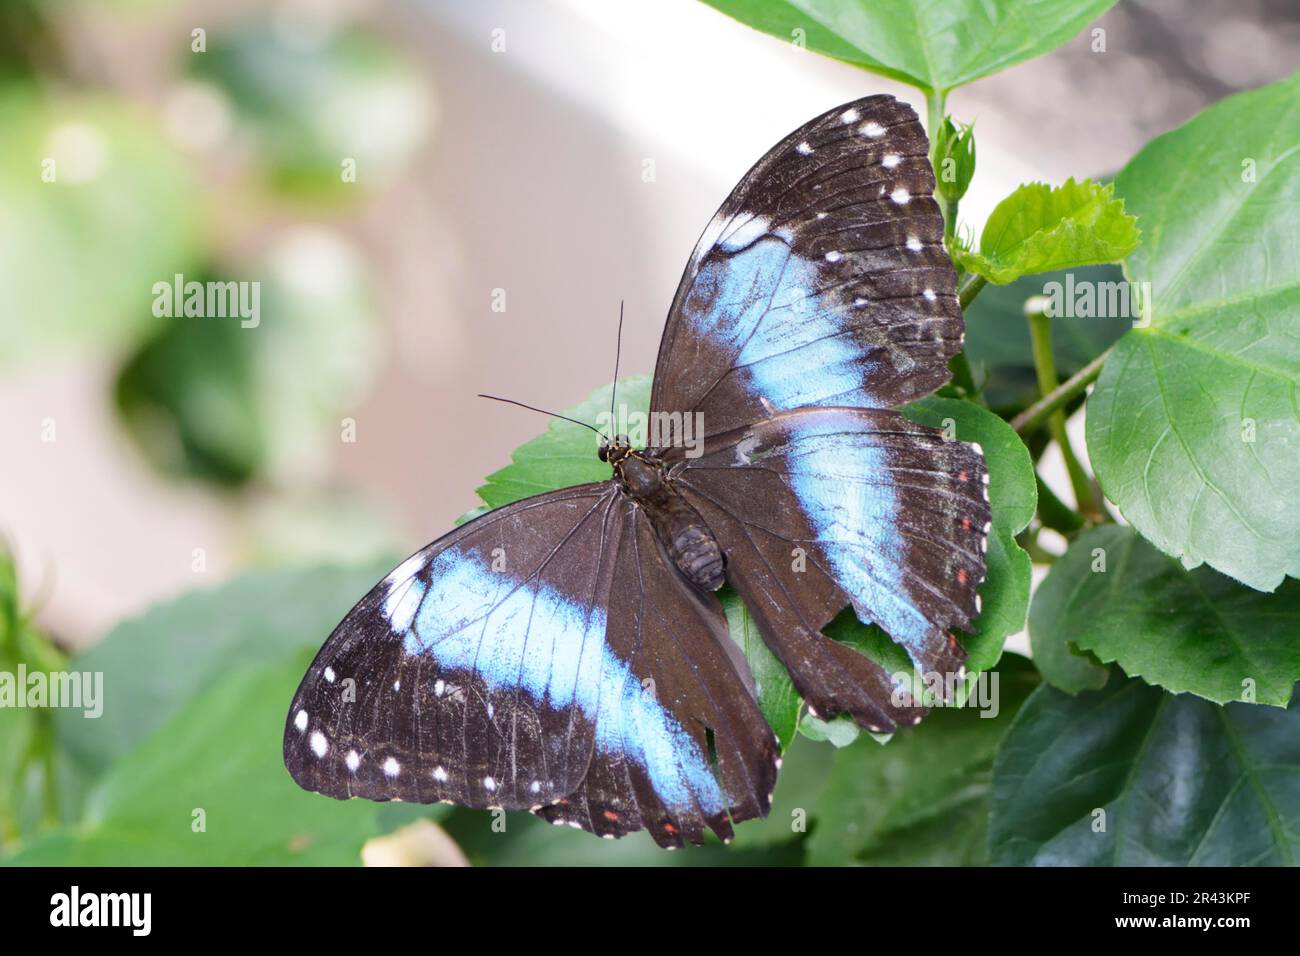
<point>696,552</point>
<point>678,526</point>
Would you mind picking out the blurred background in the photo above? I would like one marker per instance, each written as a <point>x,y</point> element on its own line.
<point>437,199</point>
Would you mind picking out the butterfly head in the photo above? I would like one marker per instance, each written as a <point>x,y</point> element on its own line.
<point>615,450</point>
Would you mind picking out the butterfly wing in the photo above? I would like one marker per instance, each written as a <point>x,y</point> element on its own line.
<point>823,279</point>
<point>685,661</point>
<point>540,657</point>
<point>821,508</point>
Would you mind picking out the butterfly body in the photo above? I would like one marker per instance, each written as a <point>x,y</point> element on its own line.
<point>681,530</point>
<point>566,653</point>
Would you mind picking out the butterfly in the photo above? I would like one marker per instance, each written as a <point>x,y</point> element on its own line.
<point>568,654</point>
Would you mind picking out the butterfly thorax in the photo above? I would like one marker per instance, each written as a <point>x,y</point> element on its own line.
<point>678,526</point>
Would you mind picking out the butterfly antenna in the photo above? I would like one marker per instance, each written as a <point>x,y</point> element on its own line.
<point>618,351</point>
<point>533,408</point>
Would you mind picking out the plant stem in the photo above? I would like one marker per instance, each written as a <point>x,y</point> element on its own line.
<point>970,288</point>
<point>962,376</point>
<point>1040,334</point>
<point>1032,418</point>
<point>1028,540</point>
<point>935,104</point>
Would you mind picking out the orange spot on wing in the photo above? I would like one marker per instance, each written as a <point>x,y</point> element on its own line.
<point>611,815</point>
<point>961,576</point>
<point>963,476</point>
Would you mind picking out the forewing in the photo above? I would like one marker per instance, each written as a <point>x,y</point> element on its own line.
<point>823,279</point>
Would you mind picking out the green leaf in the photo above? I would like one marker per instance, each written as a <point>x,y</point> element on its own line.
<point>773,841</point>
<point>1180,781</point>
<point>153,665</point>
<point>924,799</point>
<point>566,454</point>
<point>1193,425</point>
<point>777,697</point>
<point>929,45</point>
<point>798,800</point>
<point>221,755</point>
<point>17,730</point>
<point>27,763</point>
<point>1013,496</point>
<point>530,841</point>
<point>1041,228</point>
<point>1195,631</point>
<point>998,343</point>
<point>838,731</point>
<point>1057,657</point>
<point>81,252</point>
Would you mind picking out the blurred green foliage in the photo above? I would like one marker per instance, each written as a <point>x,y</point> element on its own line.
<point>308,108</point>
<point>98,207</point>
<point>105,197</point>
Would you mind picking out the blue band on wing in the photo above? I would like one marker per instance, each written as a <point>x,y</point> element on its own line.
<point>527,635</point>
<point>791,342</point>
<point>844,487</point>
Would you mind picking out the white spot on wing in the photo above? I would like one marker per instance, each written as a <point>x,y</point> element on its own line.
<point>404,571</point>
<point>929,294</point>
<point>439,774</point>
<point>914,243</point>
<point>301,720</point>
<point>850,116</point>
<point>489,783</point>
<point>392,768</point>
<point>900,196</point>
<point>353,760</point>
<point>438,687</point>
<point>803,148</point>
<point>871,129</point>
<point>329,674</point>
<point>319,745</point>
<point>833,256</point>
<point>890,160</point>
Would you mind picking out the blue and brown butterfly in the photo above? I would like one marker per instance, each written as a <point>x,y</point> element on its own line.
<point>566,654</point>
